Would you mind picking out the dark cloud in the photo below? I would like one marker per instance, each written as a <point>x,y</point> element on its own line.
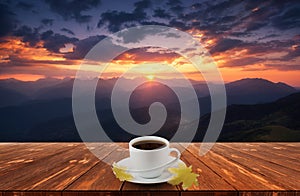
<point>246,61</point>
<point>141,6</point>
<point>221,8</point>
<point>114,20</point>
<point>178,24</point>
<point>29,35</point>
<point>282,66</point>
<point>268,47</point>
<point>25,5</point>
<point>289,19</point>
<point>293,53</point>
<point>153,23</point>
<point>7,20</point>
<point>54,41</point>
<point>238,18</point>
<point>160,13</point>
<point>178,9</point>
<point>225,44</point>
<point>73,9</point>
<point>146,54</point>
<point>173,2</point>
<point>82,47</point>
<point>16,61</point>
<point>67,31</point>
<point>47,21</point>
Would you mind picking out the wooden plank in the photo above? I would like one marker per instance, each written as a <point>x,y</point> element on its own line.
<point>210,193</point>
<point>290,145</point>
<point>13,147</point>
<point>266,153</point>
<point>289,179</point>
<point>32,152</point>
<point>269,193</point>
<point>280,149</point>
<point>20,150</point>
<point>32,193</point>
<point>150,193</point>
<point>39,172</point>
<point>208,179</point>
<point>239,177</point>
<point>91,193</point>
<point>78,167</point>
<point>101,177</point>
<point>71,169</point>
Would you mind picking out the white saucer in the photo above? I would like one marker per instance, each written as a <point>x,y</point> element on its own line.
<point>166,175</point>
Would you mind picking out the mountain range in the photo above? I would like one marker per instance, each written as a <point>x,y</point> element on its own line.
<point>258,110</point>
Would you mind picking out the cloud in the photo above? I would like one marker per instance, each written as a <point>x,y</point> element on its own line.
<point>73,9</point>
<point>114,20</point>
<point>160,13</point>
<point>7,20</point>
<point>82,47</point>
<point>173,2</point>
<point>141,6</point>
<point>47,21</point>
<point>67,31</point>
<point>25,5</point>
<point>225,44</point>
<point>29,35</point>
<point>19,53</point>
<point>54,41</point>
<point>178,24</point>
<point>50,40</point>
<point>241,62</point>
<point>289,19</point>
<point>293,53</point>
<point>149,54</point>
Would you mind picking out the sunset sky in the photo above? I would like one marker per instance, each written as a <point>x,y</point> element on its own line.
<point>247,39</point>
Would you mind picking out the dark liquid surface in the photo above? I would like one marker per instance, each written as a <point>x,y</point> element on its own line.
<point>148,145</point>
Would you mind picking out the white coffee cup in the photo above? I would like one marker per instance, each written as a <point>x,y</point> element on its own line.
<point>151,163</point>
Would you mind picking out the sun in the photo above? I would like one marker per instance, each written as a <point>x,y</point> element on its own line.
<point>150,77</point>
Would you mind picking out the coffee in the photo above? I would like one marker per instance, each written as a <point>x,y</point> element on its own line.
<point>149,145</point>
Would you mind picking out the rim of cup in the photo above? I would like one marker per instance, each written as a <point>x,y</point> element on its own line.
<point>146,138</point>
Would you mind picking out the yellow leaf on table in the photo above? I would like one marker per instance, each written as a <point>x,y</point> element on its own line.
<point>120,172</point>
<point>184,175</point>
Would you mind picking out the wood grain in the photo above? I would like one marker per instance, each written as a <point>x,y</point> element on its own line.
<point>72,169</point>
<point>91,193</point>
<point>101,177</point>
<point>240,177</point>
<point>32,193</point>
<point>268,152</point>
<point>282,176</point>
<point>205,173</point>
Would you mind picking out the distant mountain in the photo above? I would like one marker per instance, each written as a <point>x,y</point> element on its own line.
<point>47,114</point>
<point>276,121</point>
<point>10,97</point>
<point>17,120</point>
<point>29,88</point>
<point>256,90</point>
<point>250,91</point>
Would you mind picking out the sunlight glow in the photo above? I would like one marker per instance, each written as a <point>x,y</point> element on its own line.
<point>150,77</point>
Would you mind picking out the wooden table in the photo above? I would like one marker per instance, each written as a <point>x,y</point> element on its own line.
<point>71,169</point>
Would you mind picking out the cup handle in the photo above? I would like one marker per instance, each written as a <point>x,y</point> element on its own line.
<point>177,152</point>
